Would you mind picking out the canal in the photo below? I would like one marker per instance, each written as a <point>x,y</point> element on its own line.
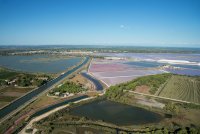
<point>97,84</point>
<point>26,98</point>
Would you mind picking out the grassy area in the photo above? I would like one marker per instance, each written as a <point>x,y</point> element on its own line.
<point>14,84</point>
<point>3,104</point>
<point>177,87</point>
<point>41,102</point>
<point>79,79</point>
<point>6,74</point>
<point>182,88</point>
<point>7,98</point>
<point>152,81</point>
<point>15,89</point>
<point>9,77</point>
<point>63,121</point>
<point>11,93</point>
<point>69,87</point>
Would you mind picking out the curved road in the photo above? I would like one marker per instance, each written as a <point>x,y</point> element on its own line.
<point>29,96</point>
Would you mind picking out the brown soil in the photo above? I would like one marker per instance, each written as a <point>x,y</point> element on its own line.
<point>142,89</point>
<point>15,89</point>
<point>11,93</point>
<point>15,94</point>
<point>83,81</point>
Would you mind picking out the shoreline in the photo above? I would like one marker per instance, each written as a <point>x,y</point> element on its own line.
<point>4,118</point>
<point>29,125</point>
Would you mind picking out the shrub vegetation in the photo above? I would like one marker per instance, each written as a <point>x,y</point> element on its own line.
<point>69,87</point>
<point>153,81</point>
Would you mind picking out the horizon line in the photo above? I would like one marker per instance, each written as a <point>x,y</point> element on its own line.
<point>108,44</point>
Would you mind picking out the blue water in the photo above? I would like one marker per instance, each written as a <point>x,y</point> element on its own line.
<point>26,98</point>
<point>97,84</point>
<point>144,64</point>
<point>156,64</point>
<point>192,70</point>
<point>49,108</point>
<point>188,66</point>
<point>116,113</point>
<point>156,56</point>
<point>29,64</point>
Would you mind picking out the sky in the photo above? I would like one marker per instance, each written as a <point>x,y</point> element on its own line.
<point>100,22</point>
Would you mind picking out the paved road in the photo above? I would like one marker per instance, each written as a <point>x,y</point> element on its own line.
<point>40,114</point>
<point>31,95</point>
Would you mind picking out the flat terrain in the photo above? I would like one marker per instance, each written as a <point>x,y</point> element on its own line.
<point>116,113</point>
<point>43,101</point>
<point>113,72</point>
<point>188,64</point>
<point>9,94</point>
<point>39,63</point>
<point>182,88</point>
<point>14,84</point>
<point>6,74</point>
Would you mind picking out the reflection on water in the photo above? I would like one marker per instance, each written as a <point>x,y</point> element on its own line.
<point>38,63</point>
<point>192,70</point>
<point>144,64</point>
<point>116,113</point>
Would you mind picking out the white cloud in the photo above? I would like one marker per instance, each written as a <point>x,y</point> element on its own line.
<point>122,26</point>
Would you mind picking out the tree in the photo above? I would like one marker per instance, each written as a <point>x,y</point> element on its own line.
<point>182,131</point>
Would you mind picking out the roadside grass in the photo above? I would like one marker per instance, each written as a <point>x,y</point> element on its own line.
<point>25,112</point>
<point>2,103</point>
<point>182,88</point>
<point>16,89</point>
<point>10,91</point>
<point>5,74</point>
<point>7,98</point>
<point>63,122</point>
<point>41,102</point>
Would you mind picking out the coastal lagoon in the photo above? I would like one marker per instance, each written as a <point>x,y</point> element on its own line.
<point>192,70</point>
<point>39,63</point>
<point>113,72</point>
<point>116,113</point>
<point>144,64</point>
<point>188,64</point>
<point>155,56</point>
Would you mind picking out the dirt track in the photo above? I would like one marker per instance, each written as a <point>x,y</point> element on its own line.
<point>160,97</point>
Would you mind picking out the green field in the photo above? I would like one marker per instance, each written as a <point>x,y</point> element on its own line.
<point>69,87</point>
<point>182,88</point>
<point>6,98</point>
<point>6,74</point>
<point>152,81</point>
<point>23,83</point>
